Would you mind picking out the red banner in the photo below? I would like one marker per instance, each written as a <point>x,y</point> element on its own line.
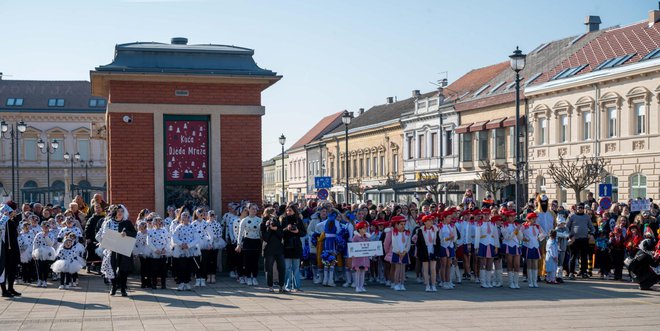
<point>186,150</point>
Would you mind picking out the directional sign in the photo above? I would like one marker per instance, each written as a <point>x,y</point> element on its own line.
<point>322,194</point>
<point>604,190</point>
<point>323,182</point>
<point>605,203</point>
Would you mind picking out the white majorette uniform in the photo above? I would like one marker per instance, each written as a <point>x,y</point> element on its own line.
<point>463,227</point>
<point>532,234</point>
<point>486,238</point>
<point>68,261</point>
<point>511,238</point>
<point>25,242</point>
<point>185,234</point>
<point>42,248</point>
<point>445,231</point>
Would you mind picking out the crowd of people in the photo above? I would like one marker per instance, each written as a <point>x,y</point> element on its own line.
<point>440,245</point>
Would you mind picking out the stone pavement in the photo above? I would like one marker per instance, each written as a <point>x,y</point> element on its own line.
<point>229,306</point>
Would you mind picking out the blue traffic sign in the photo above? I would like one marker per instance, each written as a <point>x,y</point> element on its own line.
<point>322,194</point>
<point>605,203</point>
<point>323,182</point>
<point>604,190</point>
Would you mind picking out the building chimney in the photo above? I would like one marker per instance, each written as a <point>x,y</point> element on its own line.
<point>0,76</point>
<point>592,23</point>
<point>389,100</point>
<point>360,111</point>
<point>416,94</point>
<point>654,16</point>
<point>441,95</point>
<point>179,41</point>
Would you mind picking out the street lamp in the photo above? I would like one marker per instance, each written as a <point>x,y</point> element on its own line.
<point>48,150</point>
<point>282,142</point>
<point>13,135</point>
<point>68,158</point>
<point>517,64</point>
<point>346,118</point>
<point>86,165</point>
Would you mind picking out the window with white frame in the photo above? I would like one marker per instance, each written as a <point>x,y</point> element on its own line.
<point>411,149</point>
<point>563,128</point>
<point>449,143</point>
<point>483,145</point>
<point>499,136</point>
<point>375,165</point>
<point>637,186</point>
<point>434,144</point>
<point>382,165</point>
<point>421,146</point>
<point>512,142</point>
<point>543,126</point>
<point>30,149</point>
<point>640,118</point>
<point>368,166</point>
<point>586,126</point>
<point>83,148</point>
<point>395,163</point>
<point>361,167</point>
<point>611,122</point>
<point>466,153</point>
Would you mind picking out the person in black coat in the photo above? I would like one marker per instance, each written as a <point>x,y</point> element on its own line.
<point>10,255</point>
<point>116,266</point>
<point>271,234</point>
<point>91,227</point>
<point>294,230</point>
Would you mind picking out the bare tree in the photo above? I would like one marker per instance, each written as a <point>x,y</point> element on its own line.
<point>578,174</point>
<point>358,189</point>
<point>493,178</point>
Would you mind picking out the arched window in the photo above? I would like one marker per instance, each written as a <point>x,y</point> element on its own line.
<point>637,186</point>
<point>540,184</point>
<point>84,184</point>
<point>615,186</point>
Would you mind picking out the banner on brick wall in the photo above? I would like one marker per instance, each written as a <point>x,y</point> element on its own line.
<point>186,149</point>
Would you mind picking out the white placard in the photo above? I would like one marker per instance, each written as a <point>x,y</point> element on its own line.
<point>365,249</point>
<point>640,205</point>
<point>112,240</point>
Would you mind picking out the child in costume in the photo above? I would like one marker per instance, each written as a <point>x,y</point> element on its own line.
<point>486,241</point>
<point>199,225</point>
<point>346,229</point>
<point>250,244</point>
<point>511,238</point>
<point>326,249</point>
<point>214,232</point>
<point>617,251</point>
<point>360,264</point>
<point>158,241</point>
<point>68,262</point>
<point>501,253</point>
<point>79,248</point>
<point>532,232</point>
<point>141,250</point>
<point>43,253</point>
<point>400,241</point>
<point>69,227</point>
<point>463,244</point>
<point>562,244</point>
<point>25,241</point>
<point>447,236</point>
<point>602,260</point>
<point>551,258</point>
<point>426,240</point>
<point>185,251</point>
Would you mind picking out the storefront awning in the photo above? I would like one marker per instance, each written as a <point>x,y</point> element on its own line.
<point>463,128</point>
<point>511,121</point>
<point>494,124</point>
<point>479,126</point>
<point>458,177</point>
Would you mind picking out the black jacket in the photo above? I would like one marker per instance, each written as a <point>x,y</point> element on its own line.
<point>293,248</point>
<point>92,225</point>
<point>272,238</point>
<point>118,261</point>
<point>422,251</point>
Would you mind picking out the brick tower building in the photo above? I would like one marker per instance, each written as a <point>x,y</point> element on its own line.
<point>183,124</point>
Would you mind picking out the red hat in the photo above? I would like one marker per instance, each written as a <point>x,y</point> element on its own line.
<point>509,213</point>
<point>465,212</point>
<point>476,212</point>
<point>452,209</point>
<point>397,219</point>
<point>485,211</point>
<point>633,226</point>
<point>361,225</point>
<point>532,215</point>
<point>428,218</point>
<point>437,214</point>
<point>496,218</point>
<point>446,213</point>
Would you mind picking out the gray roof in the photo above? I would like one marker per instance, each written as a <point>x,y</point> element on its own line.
<point>208,59</point>
<point>379,114</point>
<point>36,93</point>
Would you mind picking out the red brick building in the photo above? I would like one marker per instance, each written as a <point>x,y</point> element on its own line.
<point>183,124</point>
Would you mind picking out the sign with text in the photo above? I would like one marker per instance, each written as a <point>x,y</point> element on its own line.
<point>365,249</point>
<point>640,205</point>
<point>323,182</point>
<point>186,150</point>
<point>113,241</point>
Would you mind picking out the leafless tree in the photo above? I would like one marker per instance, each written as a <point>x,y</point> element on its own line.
<point>579,173</point>
<point>358,189</point>
<point>493,178</point>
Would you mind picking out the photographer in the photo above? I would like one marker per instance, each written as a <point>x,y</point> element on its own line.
<point>271,234</point>
<point>294,229</point>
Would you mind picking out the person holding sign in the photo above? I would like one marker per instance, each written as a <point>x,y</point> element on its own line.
<point>360,264</point>
<point>115,266</point>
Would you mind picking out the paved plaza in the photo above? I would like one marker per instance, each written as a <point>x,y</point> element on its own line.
<point>229,306</point>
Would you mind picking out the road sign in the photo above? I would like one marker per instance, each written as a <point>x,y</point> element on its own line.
<point>605,203</point>
<point>323,182</point>
<point>322,194</point>
<point>640,205</point>
<point>604,190</point>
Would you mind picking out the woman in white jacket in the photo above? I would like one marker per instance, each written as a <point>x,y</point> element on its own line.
<point>532,235</point>
<point>185,251</point>
<point>512,236</point>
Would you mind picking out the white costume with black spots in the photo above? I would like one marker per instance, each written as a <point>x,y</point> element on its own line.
<point>141,249</point>
<point>158,241</point>
<point>200,227</point>
<point>185,234</point>
<point>68,261</point>
<point>43,248</point>
<point>25,242</point>
<point>106,267</point>
<point>214,232</point>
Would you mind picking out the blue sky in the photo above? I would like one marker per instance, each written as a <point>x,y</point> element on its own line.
<point>334,55</point>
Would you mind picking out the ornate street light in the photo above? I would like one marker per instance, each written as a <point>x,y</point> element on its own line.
<point>346,118</point>
<point>48,150</point>
<point>282,142</point>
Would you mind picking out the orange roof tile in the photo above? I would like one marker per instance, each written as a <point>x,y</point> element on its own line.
<point>324,126</point>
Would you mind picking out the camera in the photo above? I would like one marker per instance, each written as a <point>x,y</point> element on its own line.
<point>127,119</point>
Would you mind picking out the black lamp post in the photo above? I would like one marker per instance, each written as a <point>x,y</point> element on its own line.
<point>68,158</point>
<point>86,165</point>
<point>48,149</point>
<point>346,118</point>
<point>282,142</point>
<point>517,64</point>
<point>14,131</point>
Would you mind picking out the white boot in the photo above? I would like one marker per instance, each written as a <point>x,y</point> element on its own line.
<point>498,277</point>
<point>318,279</point>
<point>331,276</point>
<point>325,276</point>
<point>483,276</point>
<point>516,277</point>
<point>536,278</point>
<point>459,275</point>
<point>530,278</point>
<point>512,279</point>
<point>560,272</point>
<point>347,275</point>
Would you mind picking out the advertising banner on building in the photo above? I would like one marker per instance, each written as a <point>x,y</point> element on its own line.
<point>186,150</point>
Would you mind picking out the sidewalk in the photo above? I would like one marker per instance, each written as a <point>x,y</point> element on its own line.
<point>229,306</point>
